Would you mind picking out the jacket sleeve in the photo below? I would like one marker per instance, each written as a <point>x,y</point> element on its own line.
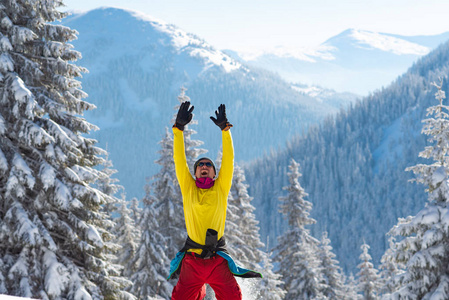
<point>179,157</point>
<point>227,163</point>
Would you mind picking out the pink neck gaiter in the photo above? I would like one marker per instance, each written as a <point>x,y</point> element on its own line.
<point>204,182</point>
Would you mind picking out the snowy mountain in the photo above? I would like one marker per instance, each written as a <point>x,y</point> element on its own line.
<point>137,65</point>
<point>324,95</point>
<point>353,165</point>
<point>356,61</point>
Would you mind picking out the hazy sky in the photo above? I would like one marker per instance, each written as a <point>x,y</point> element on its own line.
<point>264,24</point>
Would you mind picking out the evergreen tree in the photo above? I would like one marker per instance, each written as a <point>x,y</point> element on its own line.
<point>109,186</point>
<point>333,285</point>
<point>149,266</point>
<point>128,237</point>
<point>243,239</point>
<point>242,234</point>
<point>424,248</point>
<point>350,289</point>
<point>270,284</point>
<point>169,210</point>
<point>389,269</point>
<point>297,249</point>
<point>368,279</point>
<point>136,211</point>
<point>53,238</point>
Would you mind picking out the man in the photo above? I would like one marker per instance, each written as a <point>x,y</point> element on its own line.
<point>204,259</point>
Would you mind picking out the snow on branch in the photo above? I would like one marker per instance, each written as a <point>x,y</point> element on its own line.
<point>26,230</point>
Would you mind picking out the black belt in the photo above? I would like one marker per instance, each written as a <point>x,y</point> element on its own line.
<point>211,246</point>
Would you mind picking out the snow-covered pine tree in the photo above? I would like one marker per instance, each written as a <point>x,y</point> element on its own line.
<point>53,242</point>
<point>333,285</point>
<point>243,239</point>
<point>149,266</point>
<point>136,211</point>
<point>350,289</point>
<point>297,249</point>
<point>127,236</point>
<point>389,269</point>
<point>109,185</point>
<point>424,247</point>
<point>270,285</point>
<point>368,278</point>
<point>242,235</point>
<point>170,213</point>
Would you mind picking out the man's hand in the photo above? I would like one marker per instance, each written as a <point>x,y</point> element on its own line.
<point>221,120</point>
<point>184,115</point>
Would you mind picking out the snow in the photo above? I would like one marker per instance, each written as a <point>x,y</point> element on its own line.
<point>6,22</point>
<point>28,230</point>
<point>94,236</point>
<point>388,43</point>
<point>82,294</point>
<point>20,90</point>
<point>3,162</point>
<point>445,219</point>
<point>5,44</point>
<point>325,51</point>
<point>249,288</point>
<point>62,194</point>
<point>6,63</point>
<point>354,61</point>
<point>427,216</point>
<point>217,58</point>
<point>56,277</point>
<point>197,48</point>
<point>153,34</point>
<point>438,175</point>
<point>72,175</point>
<point>312,91</point>
<point>22,168</point>
<point>303,54</point>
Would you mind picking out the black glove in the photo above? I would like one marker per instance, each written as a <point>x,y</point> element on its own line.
<point>184,115</point>
<point>221,120</point>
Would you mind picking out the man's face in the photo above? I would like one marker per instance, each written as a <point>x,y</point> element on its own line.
<point>205,169</point>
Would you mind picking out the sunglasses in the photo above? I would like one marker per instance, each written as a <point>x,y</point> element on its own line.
<point>208,164</point>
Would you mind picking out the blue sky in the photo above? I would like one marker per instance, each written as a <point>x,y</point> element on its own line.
<point>265,24</point>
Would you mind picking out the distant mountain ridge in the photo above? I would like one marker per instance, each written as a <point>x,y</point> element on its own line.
<point>137,66</point>
<point>356,61</point>
<point>353,165</point>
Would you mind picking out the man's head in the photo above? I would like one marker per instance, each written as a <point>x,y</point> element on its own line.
<point>204,167</point>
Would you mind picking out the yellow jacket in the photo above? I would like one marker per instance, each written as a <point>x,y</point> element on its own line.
<point>204,208</point>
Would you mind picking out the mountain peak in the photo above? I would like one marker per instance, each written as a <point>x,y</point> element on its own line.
<point>370,40</point>
<point>136,31</point>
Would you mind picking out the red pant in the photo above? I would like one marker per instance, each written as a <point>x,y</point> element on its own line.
<point>196,272</point>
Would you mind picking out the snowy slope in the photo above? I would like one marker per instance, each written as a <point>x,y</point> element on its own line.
<point>357,61</point>
<point>137,65</point>
<point>128,32</point>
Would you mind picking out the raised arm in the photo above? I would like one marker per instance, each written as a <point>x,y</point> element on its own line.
<point>179,154</point>
<point>227,163</point>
